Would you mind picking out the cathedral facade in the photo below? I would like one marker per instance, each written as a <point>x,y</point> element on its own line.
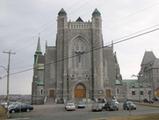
<point>79,66</point>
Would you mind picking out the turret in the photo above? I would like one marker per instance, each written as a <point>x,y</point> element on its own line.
<point>97,59</point>
<point>62,19</point>
<point>96,19</point>
<point>60,44</point>
<point>96,13</point>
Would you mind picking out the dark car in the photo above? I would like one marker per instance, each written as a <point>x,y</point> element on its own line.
<point>97,106</point>
<point>111,106</point>
<point>155,98</point>
<point>148,101</point>
<point>129,105</point>
<point>20,107</point>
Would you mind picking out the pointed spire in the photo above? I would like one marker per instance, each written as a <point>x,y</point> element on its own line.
<point>96,13</point>
<point>46,44</point>
<point>112,45</point>
<point>38,49</point>
<point>79,19</point>
<point>62,12</point>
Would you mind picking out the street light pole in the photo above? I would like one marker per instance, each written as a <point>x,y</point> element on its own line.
<point>8,72</point>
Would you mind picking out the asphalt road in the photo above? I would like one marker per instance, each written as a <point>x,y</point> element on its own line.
<point>57,112</point>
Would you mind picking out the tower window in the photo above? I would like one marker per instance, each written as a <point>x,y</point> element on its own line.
<point>117,91</point>
<point>141,93</point>
<point>133,93</point>
<point>41,92</point>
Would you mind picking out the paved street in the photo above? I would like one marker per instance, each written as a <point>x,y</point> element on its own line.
<point>57,112</point>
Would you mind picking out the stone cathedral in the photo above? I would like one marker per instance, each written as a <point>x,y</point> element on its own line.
<point>79,66</point>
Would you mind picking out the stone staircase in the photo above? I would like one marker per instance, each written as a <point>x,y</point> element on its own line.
<point>49,100</point>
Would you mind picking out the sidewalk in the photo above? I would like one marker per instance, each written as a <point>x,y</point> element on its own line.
<point>156,104</point>
<point>137,117</point>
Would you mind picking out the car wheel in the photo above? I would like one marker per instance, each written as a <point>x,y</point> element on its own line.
<point>12,111</point>
<point>28,110</point>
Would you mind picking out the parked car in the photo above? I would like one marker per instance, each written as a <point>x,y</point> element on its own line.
<point>148,101</point>
<point>81,104</point>
<point>129,105</point>
<point>111,106</point>
<point>70,106</point>
<point>115,101</point>
<point>102,101</point>
<point>156,98</point>
<point>20,107</point>
<point>97,106</point>
<point>4,104</point>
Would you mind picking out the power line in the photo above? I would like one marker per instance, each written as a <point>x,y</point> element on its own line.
<point>119,41</point>
<point>133,14</point>
<point>43,27</point>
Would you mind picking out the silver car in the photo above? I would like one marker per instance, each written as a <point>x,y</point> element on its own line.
<point>97,106</point>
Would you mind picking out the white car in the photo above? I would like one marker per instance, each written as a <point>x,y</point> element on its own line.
<point>115,101</point>
<point>97,107</point>
<point>81,105</point>
<point>70,106</point>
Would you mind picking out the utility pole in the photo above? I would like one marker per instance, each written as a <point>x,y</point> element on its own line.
<point>8,72</point>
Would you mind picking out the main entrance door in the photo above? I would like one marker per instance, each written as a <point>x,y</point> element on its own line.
<point>51,93</point>
<point>80,91</point>
<point>108,93</point>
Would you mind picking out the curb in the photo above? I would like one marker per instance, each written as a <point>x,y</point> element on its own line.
<point>149,105</point>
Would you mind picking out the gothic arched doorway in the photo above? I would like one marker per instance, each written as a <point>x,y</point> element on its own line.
<point>80,91</point>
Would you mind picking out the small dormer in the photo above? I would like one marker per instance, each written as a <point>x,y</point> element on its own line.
<point>79,19</point>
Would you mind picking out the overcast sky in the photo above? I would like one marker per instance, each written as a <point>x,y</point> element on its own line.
<point>22,20</point>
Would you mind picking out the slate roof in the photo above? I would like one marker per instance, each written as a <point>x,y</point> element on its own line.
<point>149,57</point>
<point>118,82</point>
<point>62,12</point>
<point>131,82</point>
<point>156,63</point>
<point>96,13</point>
<point>79,19</point>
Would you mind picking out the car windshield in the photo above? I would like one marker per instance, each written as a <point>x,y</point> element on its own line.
<point>70,104</point>
<point>81,102</point>
<point>129,102</point>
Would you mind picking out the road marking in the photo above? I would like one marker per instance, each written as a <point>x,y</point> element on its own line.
<point>19,119</point>
<point>99,119</point>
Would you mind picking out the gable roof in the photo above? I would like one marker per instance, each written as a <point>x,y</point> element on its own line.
<point>79,19</point>
<point>149,57</point>
<point>156,63</point>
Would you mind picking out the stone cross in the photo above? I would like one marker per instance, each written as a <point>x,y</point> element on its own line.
<point>79,53</point>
